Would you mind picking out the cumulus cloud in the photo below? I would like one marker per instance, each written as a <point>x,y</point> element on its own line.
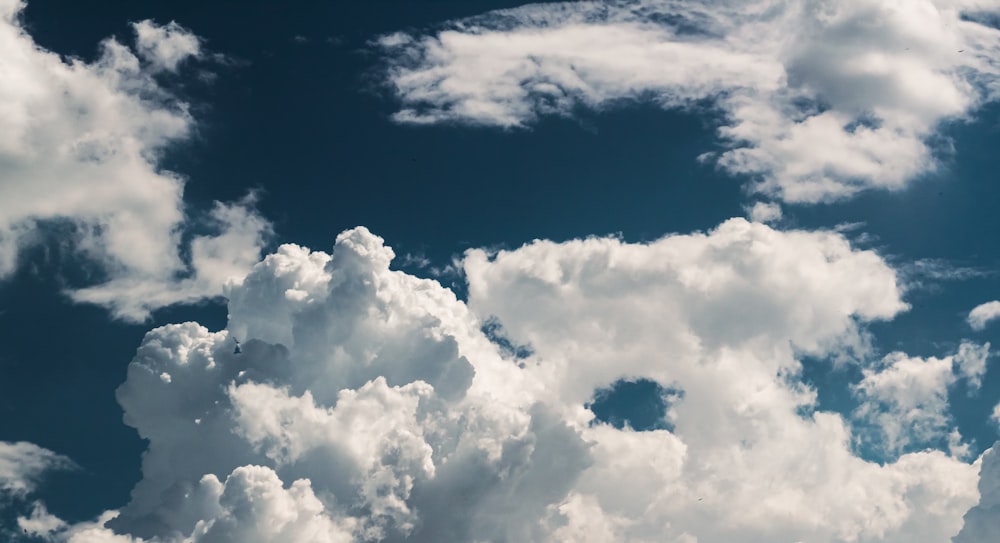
<point>22,465</point>
<point>982,522</point>
<point>982,314</point>
<point>906,398</point>
<point>368,405</point>
<point>80,147</point>
<point>817,100</point>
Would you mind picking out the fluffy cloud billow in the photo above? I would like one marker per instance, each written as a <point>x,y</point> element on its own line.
<point>817,100</point>
<point>983,521</point>
<point>80,146</point>
<point>906,398</point>
<point>367,404</point>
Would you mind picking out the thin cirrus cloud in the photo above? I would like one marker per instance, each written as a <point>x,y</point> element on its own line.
<point>80,146</point>
<point>816,101</point>
<point>369,405</point>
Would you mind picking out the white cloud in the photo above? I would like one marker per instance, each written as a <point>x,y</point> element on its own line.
<point>40,523</point>
<point>764,212</point>
<point>166,46</point>
<point>22,464</point>
<point>970,362</point>
<point>256,508</point>
<point>982,522</point>
<point>367,404</point>
<point>819,100</point>
<point>216,259</point>
<point>94,532</point>
<point>982,314</point>
<point>714,315</point>
<point>957,447</point>
<point>80,147</point>
<point>905,398</point>
<point>929,273</point>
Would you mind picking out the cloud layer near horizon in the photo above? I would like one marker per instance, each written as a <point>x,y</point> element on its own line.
<point>368,405</point>
<point>815,100</point>
<point>80,147</point>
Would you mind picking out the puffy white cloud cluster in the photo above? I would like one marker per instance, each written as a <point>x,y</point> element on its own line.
<point>906,398</point>
<point>818,99</point>
<point>80,146</point>
<point>982,314</point>
<point>367,404</point>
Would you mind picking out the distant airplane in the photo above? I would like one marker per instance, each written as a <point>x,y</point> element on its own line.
<point>237,349</point>
<point>961,50</point>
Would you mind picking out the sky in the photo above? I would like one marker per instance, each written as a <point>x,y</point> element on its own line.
<point>637,270</point>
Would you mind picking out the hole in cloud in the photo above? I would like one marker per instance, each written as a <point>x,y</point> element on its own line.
<point>868,121</point>
<point>494,331</point>
<point>640,405</point>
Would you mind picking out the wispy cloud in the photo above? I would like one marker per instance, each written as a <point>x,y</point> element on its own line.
<point>22,465</point>
<point>929,273</point>
<point>816,100</point>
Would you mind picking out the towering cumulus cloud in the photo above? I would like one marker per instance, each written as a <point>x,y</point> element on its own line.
<point>366,404</point>
<point>817,99</point>
<point>79,150</point>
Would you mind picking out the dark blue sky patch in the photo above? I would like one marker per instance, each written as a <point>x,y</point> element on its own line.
<point>832,383</point>
<point>57,391</point>
<point>641,405</point>
<point>494,330</point>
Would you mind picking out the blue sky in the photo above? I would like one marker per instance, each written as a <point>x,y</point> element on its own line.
<point>761,253</point>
